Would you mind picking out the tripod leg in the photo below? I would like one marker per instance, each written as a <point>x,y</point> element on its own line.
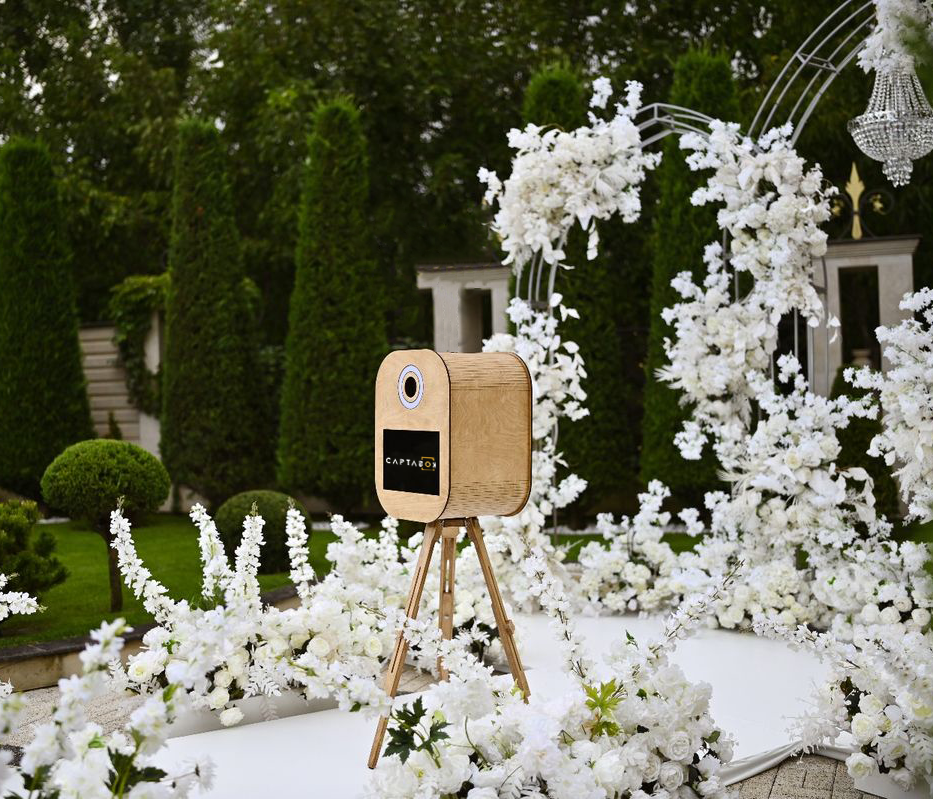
<point>446,598</point>
<point>506,628</point>
<point>397,663</point>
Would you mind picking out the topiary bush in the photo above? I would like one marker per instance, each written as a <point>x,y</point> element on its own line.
<point>336,324</point>
<point>25,552</point>
<point>272,506</point>
<point>681,232</point>
<point>43,398</point>
<point>87,480</point>
<point>216,435</point>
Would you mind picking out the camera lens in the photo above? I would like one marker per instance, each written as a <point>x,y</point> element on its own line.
<point>410,387</point>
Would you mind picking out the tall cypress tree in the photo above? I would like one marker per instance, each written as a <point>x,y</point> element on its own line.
<point>336,334</point>
<point>215,429</point>
<point>681,231</point>
<point>43,396</point>
<point>595,447</point>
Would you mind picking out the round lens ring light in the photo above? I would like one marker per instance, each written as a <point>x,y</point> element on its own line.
<point>410,387</point>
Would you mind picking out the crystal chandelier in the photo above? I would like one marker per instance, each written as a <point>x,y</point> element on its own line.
<point>897,126</point>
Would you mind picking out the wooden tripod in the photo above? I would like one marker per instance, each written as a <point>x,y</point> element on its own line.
<point>446,531</point>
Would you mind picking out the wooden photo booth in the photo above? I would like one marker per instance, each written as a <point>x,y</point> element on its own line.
<point>453,442</point>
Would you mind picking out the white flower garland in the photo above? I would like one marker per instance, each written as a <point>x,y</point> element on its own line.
<point>906,395</point>
<point>898,21</point>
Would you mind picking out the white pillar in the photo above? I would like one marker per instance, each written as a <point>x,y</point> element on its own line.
<point>457,314</point>
<point>892,256</point>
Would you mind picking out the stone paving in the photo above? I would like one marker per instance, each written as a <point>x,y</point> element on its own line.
<point>807,777</point>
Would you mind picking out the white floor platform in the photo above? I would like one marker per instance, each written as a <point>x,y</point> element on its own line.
<point>758,685</point>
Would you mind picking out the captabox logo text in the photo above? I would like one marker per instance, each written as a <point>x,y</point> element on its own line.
<point>426,463</point>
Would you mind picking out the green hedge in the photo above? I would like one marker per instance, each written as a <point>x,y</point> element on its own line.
<point>215,415</point>
<point>43,398</point>
<point>855,440</point>
<point>272,506</point>
<point>336,334</point>
<point>27,554</point>
<point>87,480</point>
<point>681,232</point>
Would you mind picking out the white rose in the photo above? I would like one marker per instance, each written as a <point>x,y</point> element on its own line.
<point>787,618</point>
<point>792,460</point>
<point>679,746</point>
<point>297,640</point>
<point>870,704</point>
<point>236,662</point>
<point>903,604</point>
<point>864,728</point>
<point>920,708</point>
<point>671,776</point>
<point>711,786</point>
<point>870,613</point>
<point>920,617</point>
<point>223,678</point>
<point>652,768</point>
<point>140,669</point>
<point>373,646</point>
<point>319,646</point>
<point>860,766</point>
<point>607,770</point>
<point>231,716</point>
<point>890,615</point>
<point>218,698</point>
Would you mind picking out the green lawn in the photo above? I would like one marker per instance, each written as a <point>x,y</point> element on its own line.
<point>168,545</point>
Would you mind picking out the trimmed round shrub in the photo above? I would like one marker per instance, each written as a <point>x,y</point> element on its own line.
<point>272,506</point>
<point>88,478</point>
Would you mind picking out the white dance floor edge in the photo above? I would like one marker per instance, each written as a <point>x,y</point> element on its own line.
<point>758,687</point>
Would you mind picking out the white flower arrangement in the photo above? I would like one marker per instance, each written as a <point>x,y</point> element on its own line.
<point>880,691</point>
<point>906,395</point>
<point>773,209</point>
<point>71,758</point>
<point>634,570</point>
<point>560,178</point>
<point>639,728</point>
<point>897,22</point>
<point>332,645</point>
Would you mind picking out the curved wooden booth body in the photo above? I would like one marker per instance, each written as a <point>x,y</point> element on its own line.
<point>453,434</point>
